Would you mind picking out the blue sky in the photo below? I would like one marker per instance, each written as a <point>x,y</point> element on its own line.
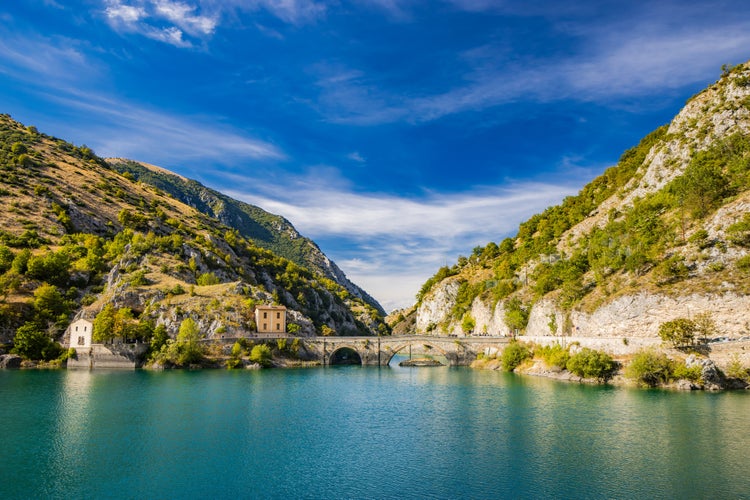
<point>396,134</point>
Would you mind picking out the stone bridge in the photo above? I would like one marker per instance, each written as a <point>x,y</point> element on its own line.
<point>378,351</point>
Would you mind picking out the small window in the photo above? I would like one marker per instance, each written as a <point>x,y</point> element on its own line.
<point>278,315</point>
<point>84,328</point>
<point>278,326</point>
<point>81,341</point>
<point>265,315</point>
<point>76,328</point>
<point>265,326</point>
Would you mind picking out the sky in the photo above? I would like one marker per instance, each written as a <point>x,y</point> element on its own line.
<point>398,135</point>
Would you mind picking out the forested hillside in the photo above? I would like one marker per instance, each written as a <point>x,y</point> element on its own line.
<point>670,224</point>
<point>78,236</point>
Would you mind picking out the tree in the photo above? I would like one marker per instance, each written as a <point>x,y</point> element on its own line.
<point>261,354</point>
<point>49,304</point>
<point>188,343</point>
<point>207,279</point>
<point>679,332</point>
<point>590,363</point>
<point>159,338</point>
<point>31,342</point>
<point>513,355</point>
<point>468,323</point>
<point>104,324</point>
<point>516,314</point>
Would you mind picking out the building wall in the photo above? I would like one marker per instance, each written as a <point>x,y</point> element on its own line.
<point>81,332</point>
<point>270,319</point>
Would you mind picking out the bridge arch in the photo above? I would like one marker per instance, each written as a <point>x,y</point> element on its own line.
<point>345,355</point>
<point>430,345</point>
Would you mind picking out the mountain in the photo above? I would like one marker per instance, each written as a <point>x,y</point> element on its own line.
<point>79,233</point>
<point>268,231</point>
<point>662,235</point>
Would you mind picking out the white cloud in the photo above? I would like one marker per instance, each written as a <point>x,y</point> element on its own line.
<point>116,128</point>
<point>124,13</point>
<point>388,244</point>
<point>615,60</point>
<point>162,20</point>
<point>183,16</point>
<point>356,156</point>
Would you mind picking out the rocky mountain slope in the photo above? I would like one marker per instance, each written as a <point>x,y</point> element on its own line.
<point>663,235</point>
<point>267,230</point>
<point>78,233</point>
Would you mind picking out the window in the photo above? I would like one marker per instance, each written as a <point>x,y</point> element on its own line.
<point>265,326</point>
<point>278,326</point>
<point>76,327</point>
<point>265,315</point>
<point>278,315</point>
<point>81,341</point>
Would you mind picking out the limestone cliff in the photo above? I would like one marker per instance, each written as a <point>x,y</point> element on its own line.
<point>665,234</point>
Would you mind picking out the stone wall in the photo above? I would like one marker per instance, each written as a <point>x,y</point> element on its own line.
<point>109,356</point>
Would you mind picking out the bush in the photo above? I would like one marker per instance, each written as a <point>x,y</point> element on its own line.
<point>650,368</point>
<point>261,354</point>
<point>679,332</point>
<point>31,342</point>
<point>590,363</point>
<point>513,355</point>
<point>207,279</point>
<point>554,355</point>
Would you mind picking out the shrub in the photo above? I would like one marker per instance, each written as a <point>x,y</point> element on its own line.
<point>650,368</point>
<point>31,342</point>
<point>513,355</point>
<point>468,323</point>
<point>735,369</point>
<point>261,354</point>
<point>590,363</point>
<point>743,263</point>
<point>679,332</point>
<point>681,371</point>
<point>207,279</point>
<point>554,355</point>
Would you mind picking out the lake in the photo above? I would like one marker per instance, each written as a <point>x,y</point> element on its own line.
<point>354,432</point>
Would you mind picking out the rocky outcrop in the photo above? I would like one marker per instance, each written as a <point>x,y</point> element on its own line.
<point>10,361</point>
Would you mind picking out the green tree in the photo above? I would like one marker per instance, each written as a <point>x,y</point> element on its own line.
<point>678,332</point>
<point>206,279</point>
<point>650,368</point>
<point>104,324</point>
<point>6,258</point>
<point>702,185</point>
<point>513,355</point>
<point>188,343</point>
<point>49,304</point>
<point>261,354</point>
<point>516,314</point>
<point>590,363</point>
<point>31,342</point>
<point>468,323</point>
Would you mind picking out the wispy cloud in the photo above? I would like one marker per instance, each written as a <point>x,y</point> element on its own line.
<point>384,232</point>
<point>614,60</point>
<point>163,20</point>
<point>121,129</point>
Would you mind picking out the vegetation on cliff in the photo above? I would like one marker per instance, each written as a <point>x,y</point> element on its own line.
<point>670,217</point>
<point>80,238</point>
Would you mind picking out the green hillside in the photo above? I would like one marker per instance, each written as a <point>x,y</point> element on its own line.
<point>672,217</point>
<point>77,235</point>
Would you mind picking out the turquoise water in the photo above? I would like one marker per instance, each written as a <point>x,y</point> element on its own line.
<point>354,432</point>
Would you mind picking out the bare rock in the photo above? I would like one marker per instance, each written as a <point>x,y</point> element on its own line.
<point>10,361</point>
